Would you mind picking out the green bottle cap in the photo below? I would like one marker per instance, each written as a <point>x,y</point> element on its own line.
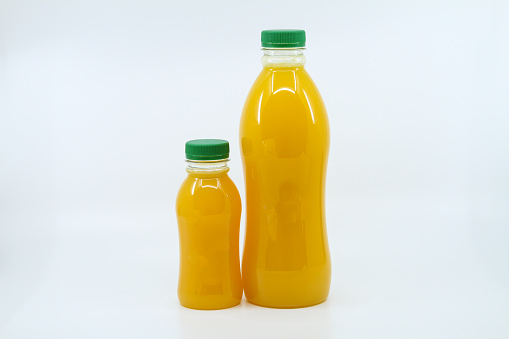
<point>207,149</point>
<point>283,38</point>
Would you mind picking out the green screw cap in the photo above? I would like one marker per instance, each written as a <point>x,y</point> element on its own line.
<point>207,149</point>
<point>284,38</point>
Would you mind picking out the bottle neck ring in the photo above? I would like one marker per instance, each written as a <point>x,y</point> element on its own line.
<point>283,57</point>
<point>207,167</point>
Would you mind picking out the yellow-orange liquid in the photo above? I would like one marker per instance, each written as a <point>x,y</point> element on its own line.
<point>208,214</point>
<point>284,134</point>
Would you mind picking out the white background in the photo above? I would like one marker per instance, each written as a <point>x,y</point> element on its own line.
<point>98,98</point>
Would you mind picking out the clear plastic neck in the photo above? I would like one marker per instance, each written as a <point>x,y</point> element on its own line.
<point>207,167</point>
<point>283,57</point>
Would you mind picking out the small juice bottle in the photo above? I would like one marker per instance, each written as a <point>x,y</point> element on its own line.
<point>208,214</point>
<point>284,135</point>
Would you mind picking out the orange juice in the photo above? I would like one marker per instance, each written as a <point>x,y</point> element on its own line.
<point>284,135</point>
<point>208,214</point>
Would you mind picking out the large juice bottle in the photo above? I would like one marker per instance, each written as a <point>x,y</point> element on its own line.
<point>208,214</point>
<point>284,135</point>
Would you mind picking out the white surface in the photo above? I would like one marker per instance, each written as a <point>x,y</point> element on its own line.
<point>97,100</point>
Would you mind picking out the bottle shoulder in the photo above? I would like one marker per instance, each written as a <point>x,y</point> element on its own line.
<point>196,184</point>
<point>207,195</point>
<point>281,89</point>
<point>271,81</point>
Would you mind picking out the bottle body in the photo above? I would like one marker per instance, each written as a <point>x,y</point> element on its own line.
<point>284,135</point>
<point>208,213</point>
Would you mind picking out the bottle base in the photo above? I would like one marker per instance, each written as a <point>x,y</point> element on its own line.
<point>212,308</point>
<point>286,306</point>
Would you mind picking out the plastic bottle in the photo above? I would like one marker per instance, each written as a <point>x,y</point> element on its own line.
<point>208,213</point>
<point>284,135</point>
